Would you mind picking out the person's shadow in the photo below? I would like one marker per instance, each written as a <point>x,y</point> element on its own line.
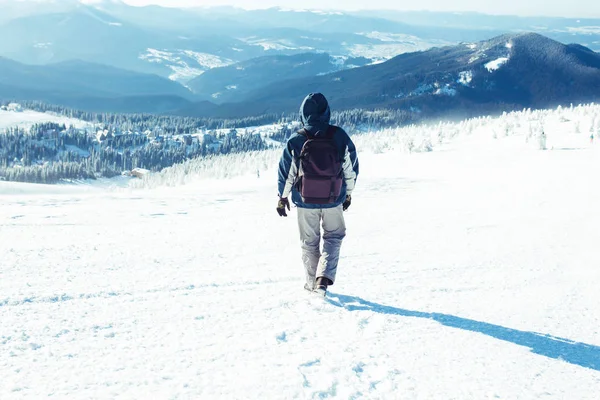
<point>582,354</point>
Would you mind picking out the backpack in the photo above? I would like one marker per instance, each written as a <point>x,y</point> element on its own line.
<point>321,170</point>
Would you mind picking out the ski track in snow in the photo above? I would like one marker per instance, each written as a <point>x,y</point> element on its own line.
<point>468,273</point>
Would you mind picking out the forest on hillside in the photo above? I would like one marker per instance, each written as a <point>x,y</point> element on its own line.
<point>118,143</point>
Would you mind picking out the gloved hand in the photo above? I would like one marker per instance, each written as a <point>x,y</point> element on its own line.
<point>281,205</point>
<point>347,202</point>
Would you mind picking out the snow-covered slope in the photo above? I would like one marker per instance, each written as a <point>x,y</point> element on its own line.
<point>185,64</point>
<point>468,272</point>
<point>391,45</point>
<point>27,118</point>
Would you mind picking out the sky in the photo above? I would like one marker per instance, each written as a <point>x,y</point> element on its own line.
<point>573,8</point>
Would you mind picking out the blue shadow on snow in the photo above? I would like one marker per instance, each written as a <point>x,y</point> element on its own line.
<point>582,354</point>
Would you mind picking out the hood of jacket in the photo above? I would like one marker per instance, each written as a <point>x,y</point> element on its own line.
<point>315,113</point>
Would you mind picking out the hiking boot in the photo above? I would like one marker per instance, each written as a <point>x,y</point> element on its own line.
<point>321,285</point>
<point>308,287</point>
<point>322,281</point>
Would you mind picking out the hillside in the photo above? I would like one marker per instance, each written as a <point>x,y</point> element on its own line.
<point>183,43</point>
<point>468,272</point>
<point>88,79</point>
<point>92,87</point>
<point>504,73</point>
<point>226,84</point>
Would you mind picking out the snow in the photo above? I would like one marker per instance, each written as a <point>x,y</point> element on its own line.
<point>389,37</point>
<point>41,45</point>
<point>446,90</point>
<point>474,58</point>
<point>27,118</point>
<point>314,11</point>
<point>158,56</point>
<point>392,45</point>
<point>139,172</point>
<point>338,61</point>
<point>185,64</point>
<point>207,60</point>
<point>271,44</point>
<point>496,64</point>
<point>465,77</point>
<point>584,30</point>
<point>274,45</point>
<point>184,73</point>
<point>468,272</point>
<point>14,107</point>
<point>322,12</point>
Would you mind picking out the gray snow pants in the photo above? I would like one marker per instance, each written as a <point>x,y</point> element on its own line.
<point>321,264</point>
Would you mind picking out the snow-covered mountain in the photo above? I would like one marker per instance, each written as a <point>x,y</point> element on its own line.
<point>583,30</point>
<point>28,118</point>
<point>473,78</point>
<point>182,44</point>
<point>468,272</point>
<point>504,73</point>
<point>89,86</point>
<point>232,83</point>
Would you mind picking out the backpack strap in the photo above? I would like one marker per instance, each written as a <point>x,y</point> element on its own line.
<point>304,132</point>
<point>331,131</point>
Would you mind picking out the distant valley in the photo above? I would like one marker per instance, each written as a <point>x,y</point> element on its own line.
<point>225,62</point>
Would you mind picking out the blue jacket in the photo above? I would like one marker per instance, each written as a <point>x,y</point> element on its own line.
<point>315,116</point>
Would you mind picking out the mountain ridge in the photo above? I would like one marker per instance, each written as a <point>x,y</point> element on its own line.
<point>509,69</point>
<point>506,72</point>
<point>230,82</point>
<point>91,87</point>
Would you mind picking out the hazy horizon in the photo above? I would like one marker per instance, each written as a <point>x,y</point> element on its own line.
<point>573,9</point>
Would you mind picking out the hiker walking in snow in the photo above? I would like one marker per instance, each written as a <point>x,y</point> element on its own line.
<point>318,167</point>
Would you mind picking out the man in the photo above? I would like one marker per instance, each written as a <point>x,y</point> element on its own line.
<point>319,167</point>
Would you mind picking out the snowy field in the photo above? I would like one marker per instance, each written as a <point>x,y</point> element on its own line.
<point>469,272</point>
<point>27,118</point>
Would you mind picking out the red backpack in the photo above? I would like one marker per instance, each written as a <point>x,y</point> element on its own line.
<point>321,169</point>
